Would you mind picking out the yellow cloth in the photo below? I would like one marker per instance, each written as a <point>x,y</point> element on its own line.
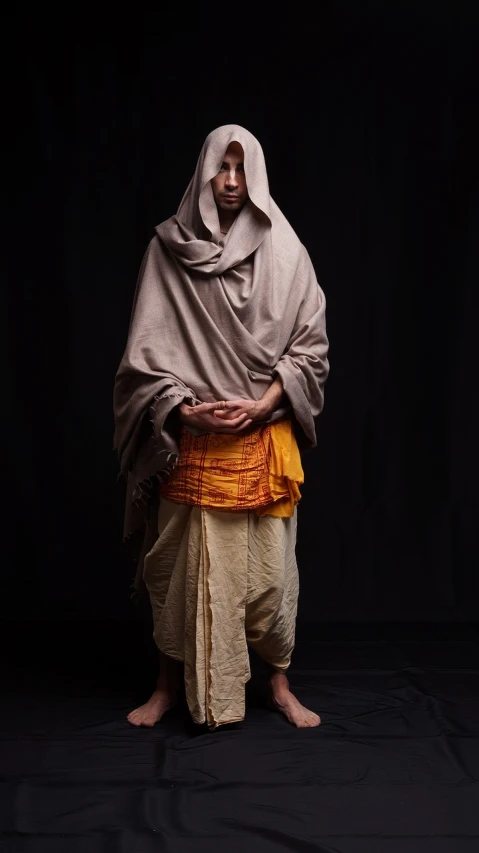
<point>260,470</point>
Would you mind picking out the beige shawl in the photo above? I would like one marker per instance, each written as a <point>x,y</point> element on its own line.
<point>217,318</point>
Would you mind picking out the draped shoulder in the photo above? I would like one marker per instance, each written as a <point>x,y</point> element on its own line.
<point>218,318</point>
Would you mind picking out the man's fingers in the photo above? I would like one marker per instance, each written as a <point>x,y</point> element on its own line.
<point>234,422</point>
<point>232,406</point>
<point>207,408</point>
<point>232,418</point>
<point>244,405</point>
<point>229,409</point>
<point>240,428</point>
<point>210,407</point>
<point>225,414</point>
<point>210,417</point>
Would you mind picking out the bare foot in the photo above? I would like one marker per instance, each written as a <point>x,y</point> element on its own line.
<point>152,711</point>
<point>284,701</point>
<point>162,699</point>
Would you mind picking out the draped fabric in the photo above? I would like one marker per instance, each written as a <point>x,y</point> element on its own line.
<point>218,583</point>
<point>217,318</point>
<point>260,469</point>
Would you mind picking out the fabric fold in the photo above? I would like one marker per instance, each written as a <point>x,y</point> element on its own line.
<point>219,582</point>
<point>259,470</point>
<point>217,319</point>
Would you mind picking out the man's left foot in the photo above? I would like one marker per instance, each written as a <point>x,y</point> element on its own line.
<point>284,701</point>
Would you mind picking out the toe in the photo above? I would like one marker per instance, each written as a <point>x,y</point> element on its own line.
<point>134,717</point>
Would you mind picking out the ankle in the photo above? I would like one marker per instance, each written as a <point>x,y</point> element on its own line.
<point>166,687</point>
<point>279,682</point>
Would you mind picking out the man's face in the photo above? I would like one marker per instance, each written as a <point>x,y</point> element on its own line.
<point>229,185</point>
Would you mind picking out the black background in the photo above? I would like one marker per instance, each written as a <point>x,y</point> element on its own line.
<point>367,113</point>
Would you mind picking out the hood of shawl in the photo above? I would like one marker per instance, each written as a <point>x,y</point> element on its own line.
<point>193,235</point>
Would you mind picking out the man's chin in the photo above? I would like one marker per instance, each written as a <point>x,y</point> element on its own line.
<point>231,205</point>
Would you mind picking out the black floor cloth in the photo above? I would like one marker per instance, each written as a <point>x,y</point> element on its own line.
<point>393,767</point>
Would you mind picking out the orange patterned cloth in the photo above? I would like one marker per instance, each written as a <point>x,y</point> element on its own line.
<point>258,471</point>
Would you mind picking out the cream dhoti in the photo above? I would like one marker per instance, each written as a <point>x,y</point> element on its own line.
<point>218,582</point>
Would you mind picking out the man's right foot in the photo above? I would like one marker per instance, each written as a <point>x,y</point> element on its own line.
<point>152,711</point>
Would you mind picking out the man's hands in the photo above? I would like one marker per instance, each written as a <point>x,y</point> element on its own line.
<point>214,417</point>
<point>232,416</point>
<point>253,410</point>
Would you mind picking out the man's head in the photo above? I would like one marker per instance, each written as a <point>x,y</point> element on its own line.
<point>229,185</point>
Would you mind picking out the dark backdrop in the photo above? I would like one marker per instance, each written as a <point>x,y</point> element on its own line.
<point>367,115</point>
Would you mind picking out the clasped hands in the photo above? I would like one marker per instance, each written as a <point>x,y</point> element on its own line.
<point>226,416</point>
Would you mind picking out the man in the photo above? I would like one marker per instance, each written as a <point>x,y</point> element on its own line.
<point>221,379</point>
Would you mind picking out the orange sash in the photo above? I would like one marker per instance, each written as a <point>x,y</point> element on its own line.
<point>258,471</point>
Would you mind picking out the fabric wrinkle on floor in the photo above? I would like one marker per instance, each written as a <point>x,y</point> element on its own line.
<point>393,767</point>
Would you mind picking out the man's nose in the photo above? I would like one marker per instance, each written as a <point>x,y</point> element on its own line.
<point>231,179</point>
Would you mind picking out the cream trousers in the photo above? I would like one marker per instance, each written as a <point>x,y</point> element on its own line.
<point>218,582</point>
